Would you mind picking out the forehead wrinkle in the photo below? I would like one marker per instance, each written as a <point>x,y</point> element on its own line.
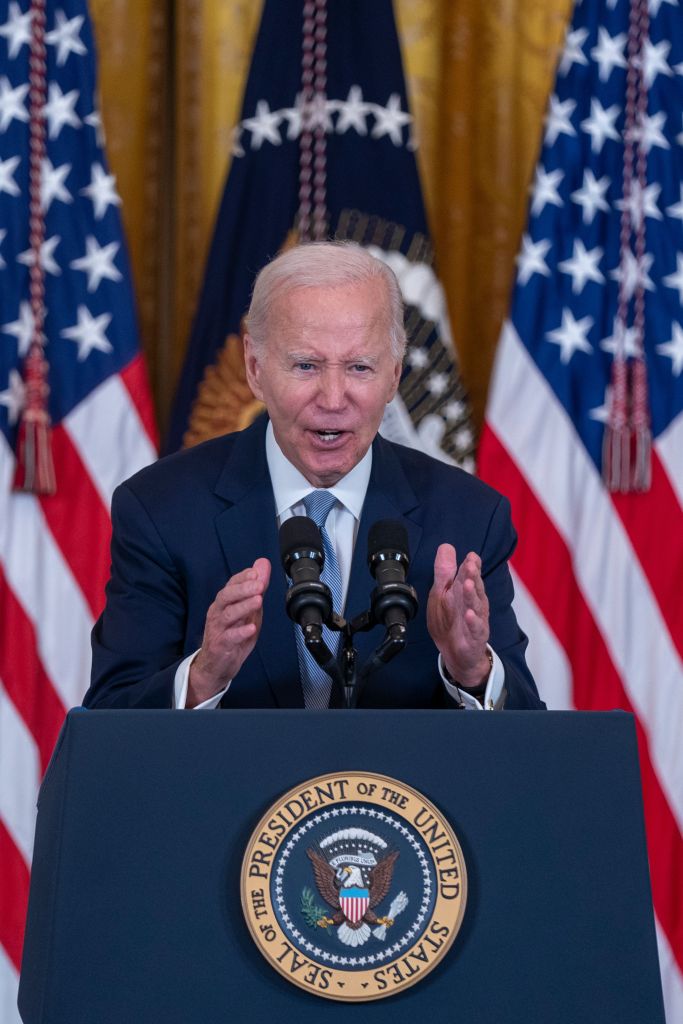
<point>299,326</point>
<point>361,332</point>
<point>310,355</point>
<point>290,315</point>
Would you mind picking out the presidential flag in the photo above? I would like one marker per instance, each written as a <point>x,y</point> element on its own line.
<point>65,294</point>
<point>584,427</point>
<point>325,147</point>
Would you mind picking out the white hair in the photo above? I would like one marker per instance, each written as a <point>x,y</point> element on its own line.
<point>323,265</point>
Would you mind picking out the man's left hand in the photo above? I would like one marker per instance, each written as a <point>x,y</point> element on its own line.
<point>458,616</point>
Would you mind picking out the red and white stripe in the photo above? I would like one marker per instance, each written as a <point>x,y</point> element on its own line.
<point>54,563</point>
<point>354,907</point>
<point>598,580</point>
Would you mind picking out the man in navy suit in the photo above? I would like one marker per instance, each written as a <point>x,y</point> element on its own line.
<point>195,604</point>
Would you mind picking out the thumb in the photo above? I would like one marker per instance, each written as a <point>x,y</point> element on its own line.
<point>445,566</point>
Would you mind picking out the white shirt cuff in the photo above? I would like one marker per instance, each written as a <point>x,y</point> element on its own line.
<point>494,686</point>
<point>180,683</point>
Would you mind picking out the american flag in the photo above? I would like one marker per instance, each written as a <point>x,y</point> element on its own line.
<point>598,572</point>
<point>54,550</point>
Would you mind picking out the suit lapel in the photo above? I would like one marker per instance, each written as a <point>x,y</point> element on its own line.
<point>247,530</point>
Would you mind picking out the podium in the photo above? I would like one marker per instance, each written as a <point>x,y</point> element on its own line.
<point>144,817</point>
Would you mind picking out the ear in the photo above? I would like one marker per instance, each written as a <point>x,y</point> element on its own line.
<point>396,379</point>
<point>253,367</point>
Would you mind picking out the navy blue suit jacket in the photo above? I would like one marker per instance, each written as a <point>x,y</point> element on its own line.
<point>184,525</point>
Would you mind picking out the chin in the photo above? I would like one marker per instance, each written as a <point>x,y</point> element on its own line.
<point>324,477</point>
<point>325,474</point>
<point>319,470</point>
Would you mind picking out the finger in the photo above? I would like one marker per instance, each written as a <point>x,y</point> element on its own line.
<point>473,608</point>
<point>445,566</point>
<point>250,573</point>
<point>474,571</point>
<point>240,577</point>
<point>262,568</point>
<point>250,581</point>
<point>481,589</point>
<point>241,612</point>
<point>470,594</point>
<point>234,592</point>
<point>470,567</point>
<point>477,626</point>
<point>227,642</point>
<point>239,635</point>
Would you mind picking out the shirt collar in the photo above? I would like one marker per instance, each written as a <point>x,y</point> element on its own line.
<point>290,486</point>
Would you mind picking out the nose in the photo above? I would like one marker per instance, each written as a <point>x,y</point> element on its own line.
<point>332,388</point>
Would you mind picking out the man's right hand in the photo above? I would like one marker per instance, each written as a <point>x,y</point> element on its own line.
<point>233,623</point>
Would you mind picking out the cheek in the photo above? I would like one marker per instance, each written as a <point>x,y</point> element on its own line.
<point>294,398</point>
<point>288,404</point>
<point>297,391</point>
<point>374,404</point>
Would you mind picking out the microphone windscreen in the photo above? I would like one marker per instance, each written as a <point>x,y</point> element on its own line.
<point>387,535</point>
<point>296,533</point>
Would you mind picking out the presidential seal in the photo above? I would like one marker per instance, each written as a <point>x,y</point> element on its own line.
<point>353,886</point>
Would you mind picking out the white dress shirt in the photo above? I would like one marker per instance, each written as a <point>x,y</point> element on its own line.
<point>290,487</point>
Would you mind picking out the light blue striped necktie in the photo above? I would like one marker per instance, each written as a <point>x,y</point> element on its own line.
<point>316,683</point>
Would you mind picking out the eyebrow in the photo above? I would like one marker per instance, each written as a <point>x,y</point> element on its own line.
<point>309,357</point>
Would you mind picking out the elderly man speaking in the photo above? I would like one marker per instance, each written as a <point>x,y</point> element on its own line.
<point>195,613</point>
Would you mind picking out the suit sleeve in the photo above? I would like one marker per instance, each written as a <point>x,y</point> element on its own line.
<point>506,637</point>
<point>138,641</point>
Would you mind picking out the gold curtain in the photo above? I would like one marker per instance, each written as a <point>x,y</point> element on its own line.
<point>134,75</point>
<point>172,74</point>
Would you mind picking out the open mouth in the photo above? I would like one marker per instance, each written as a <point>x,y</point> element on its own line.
<point>328,436</point>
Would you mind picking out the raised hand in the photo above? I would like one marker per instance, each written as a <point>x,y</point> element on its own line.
<point>232,626</point>
<point>458,616</point>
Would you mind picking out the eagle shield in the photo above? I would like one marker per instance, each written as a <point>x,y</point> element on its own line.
<point>354,903</point>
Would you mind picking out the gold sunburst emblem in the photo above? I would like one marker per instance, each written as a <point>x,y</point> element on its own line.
<point>224,401</point>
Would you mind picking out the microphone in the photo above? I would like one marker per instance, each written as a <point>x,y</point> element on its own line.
<point>393,601</point>
<point>308,601</point>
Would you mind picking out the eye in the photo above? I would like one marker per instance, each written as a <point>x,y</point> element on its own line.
<point>361,368</point>
<point>303,366</point>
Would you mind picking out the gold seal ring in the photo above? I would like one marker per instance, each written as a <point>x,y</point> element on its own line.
<point>353,886</point>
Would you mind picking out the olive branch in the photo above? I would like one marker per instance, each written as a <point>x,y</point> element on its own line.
<point>312,912</point>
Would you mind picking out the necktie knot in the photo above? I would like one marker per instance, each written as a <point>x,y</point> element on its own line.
<point>318,505</point>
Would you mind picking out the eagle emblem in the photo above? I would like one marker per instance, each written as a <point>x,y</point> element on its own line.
<point>353,870</point>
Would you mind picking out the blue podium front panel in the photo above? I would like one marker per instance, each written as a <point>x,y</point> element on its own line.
<point>144,817</point>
